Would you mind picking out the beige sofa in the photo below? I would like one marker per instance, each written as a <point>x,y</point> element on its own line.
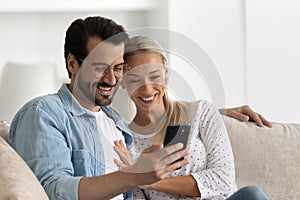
<point>17,181</point>
<point>266,157</point>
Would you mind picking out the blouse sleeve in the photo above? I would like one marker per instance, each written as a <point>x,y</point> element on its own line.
<point>218,179</point>
<point>138,193</point>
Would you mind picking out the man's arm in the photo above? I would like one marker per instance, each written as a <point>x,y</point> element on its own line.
<point>38,136</point>
<point>244,114</point>
<point>149,168</point>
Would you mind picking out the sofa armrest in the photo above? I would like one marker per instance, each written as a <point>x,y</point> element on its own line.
<point>4,130</point>
<point>267,157</point>
<point>17,181</point>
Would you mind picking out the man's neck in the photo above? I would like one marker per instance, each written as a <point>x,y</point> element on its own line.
<point>83,101</point>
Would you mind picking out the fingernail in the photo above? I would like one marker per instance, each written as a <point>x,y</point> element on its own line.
<point>180,145</point>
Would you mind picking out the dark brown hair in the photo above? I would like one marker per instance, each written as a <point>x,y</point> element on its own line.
<point>80,31</point>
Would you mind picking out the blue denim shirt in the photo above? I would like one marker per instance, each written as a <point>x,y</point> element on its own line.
<point>59,141</point>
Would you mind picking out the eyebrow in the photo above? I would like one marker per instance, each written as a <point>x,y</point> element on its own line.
<point>100,63</point>
<point>136,75</point>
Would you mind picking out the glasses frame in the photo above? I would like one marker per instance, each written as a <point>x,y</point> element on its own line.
<point>99,71</point>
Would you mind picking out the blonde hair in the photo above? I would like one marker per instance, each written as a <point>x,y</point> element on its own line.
<point>146,44</point>
<point>174,109</point>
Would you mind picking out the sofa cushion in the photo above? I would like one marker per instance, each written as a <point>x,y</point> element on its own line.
<point>267,157</point>
<point>4,129</point>
<point>17,182</point>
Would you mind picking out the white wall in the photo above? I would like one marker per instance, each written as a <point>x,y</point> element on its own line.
<point>273,49</point>
<point>217,27</point>
<point>34,33</point>
<point>255,47</point>
<point>253,44</point>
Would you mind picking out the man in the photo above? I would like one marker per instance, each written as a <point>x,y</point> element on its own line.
<point>57,135</point>
<point>62,136</point>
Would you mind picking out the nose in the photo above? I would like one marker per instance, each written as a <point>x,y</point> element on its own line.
<point>109,77</point>
<point>147,87</point>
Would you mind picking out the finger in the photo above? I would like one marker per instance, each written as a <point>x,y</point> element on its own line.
<point>167,151</point>
<point>122,143</point>
<point>239,116</point>
<point>252,115</point>
<point>152,148</point>
<point>171,168</point>
<point>117,143</point>
<point>172,148</point>
<point>170,158</point>
<point>119,151</point>
<point>119,163</point>
<point>124,155</point>
<point>265,122</point>
<point>255,117</point>
<point>143,187</point>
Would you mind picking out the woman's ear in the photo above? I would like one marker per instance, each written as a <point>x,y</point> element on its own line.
<point>72,63</point>
<point>166,74</point>
<point>123,84</point>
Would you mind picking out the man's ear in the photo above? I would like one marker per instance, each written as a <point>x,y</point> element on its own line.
<point>72,63</point>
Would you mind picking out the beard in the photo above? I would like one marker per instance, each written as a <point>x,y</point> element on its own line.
<point>89,91</point>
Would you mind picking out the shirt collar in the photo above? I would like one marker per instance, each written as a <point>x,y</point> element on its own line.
<point>70,102</point>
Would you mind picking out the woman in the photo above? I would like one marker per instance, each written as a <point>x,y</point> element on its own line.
<point>210,173</point>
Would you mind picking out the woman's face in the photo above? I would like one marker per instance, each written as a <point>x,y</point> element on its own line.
<point>145,80</point>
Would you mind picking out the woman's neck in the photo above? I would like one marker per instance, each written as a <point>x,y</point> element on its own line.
<point>148,121</point>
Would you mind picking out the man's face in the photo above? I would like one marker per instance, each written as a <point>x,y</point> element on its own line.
<point>100,73</point>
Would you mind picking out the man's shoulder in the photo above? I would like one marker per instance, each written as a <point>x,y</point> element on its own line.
<point>50,103</point>
<point>46,101</point>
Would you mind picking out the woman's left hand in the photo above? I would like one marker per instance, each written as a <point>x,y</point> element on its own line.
<point>124,154</point>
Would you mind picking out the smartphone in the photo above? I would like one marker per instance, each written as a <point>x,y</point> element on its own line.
<point>177,133</point>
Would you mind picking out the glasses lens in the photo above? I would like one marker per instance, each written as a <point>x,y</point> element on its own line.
<point>119,69</point>
<point>100,69</point>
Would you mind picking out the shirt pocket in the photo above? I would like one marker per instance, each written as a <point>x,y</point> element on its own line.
<point>81,160</point>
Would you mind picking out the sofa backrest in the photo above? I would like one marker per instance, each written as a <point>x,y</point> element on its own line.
<point>267,157</point>
<point>17,181</point>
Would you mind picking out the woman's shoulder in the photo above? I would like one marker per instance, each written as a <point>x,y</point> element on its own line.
<point>195,105</point>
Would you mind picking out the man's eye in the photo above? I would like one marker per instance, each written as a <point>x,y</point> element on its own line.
<point>99,68</point>
<point>118,68</point>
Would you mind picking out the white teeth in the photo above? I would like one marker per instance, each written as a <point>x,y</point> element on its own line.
<point>148,98</point>
<point>105,88</point>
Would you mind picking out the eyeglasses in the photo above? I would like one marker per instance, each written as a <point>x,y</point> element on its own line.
<point>101,68</point>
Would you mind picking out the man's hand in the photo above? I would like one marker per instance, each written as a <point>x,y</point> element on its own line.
<point>156,162</point>
<point>244,114</point>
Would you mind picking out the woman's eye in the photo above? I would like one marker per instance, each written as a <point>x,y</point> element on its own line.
<point>133,81</point>
<point>155,77</point>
